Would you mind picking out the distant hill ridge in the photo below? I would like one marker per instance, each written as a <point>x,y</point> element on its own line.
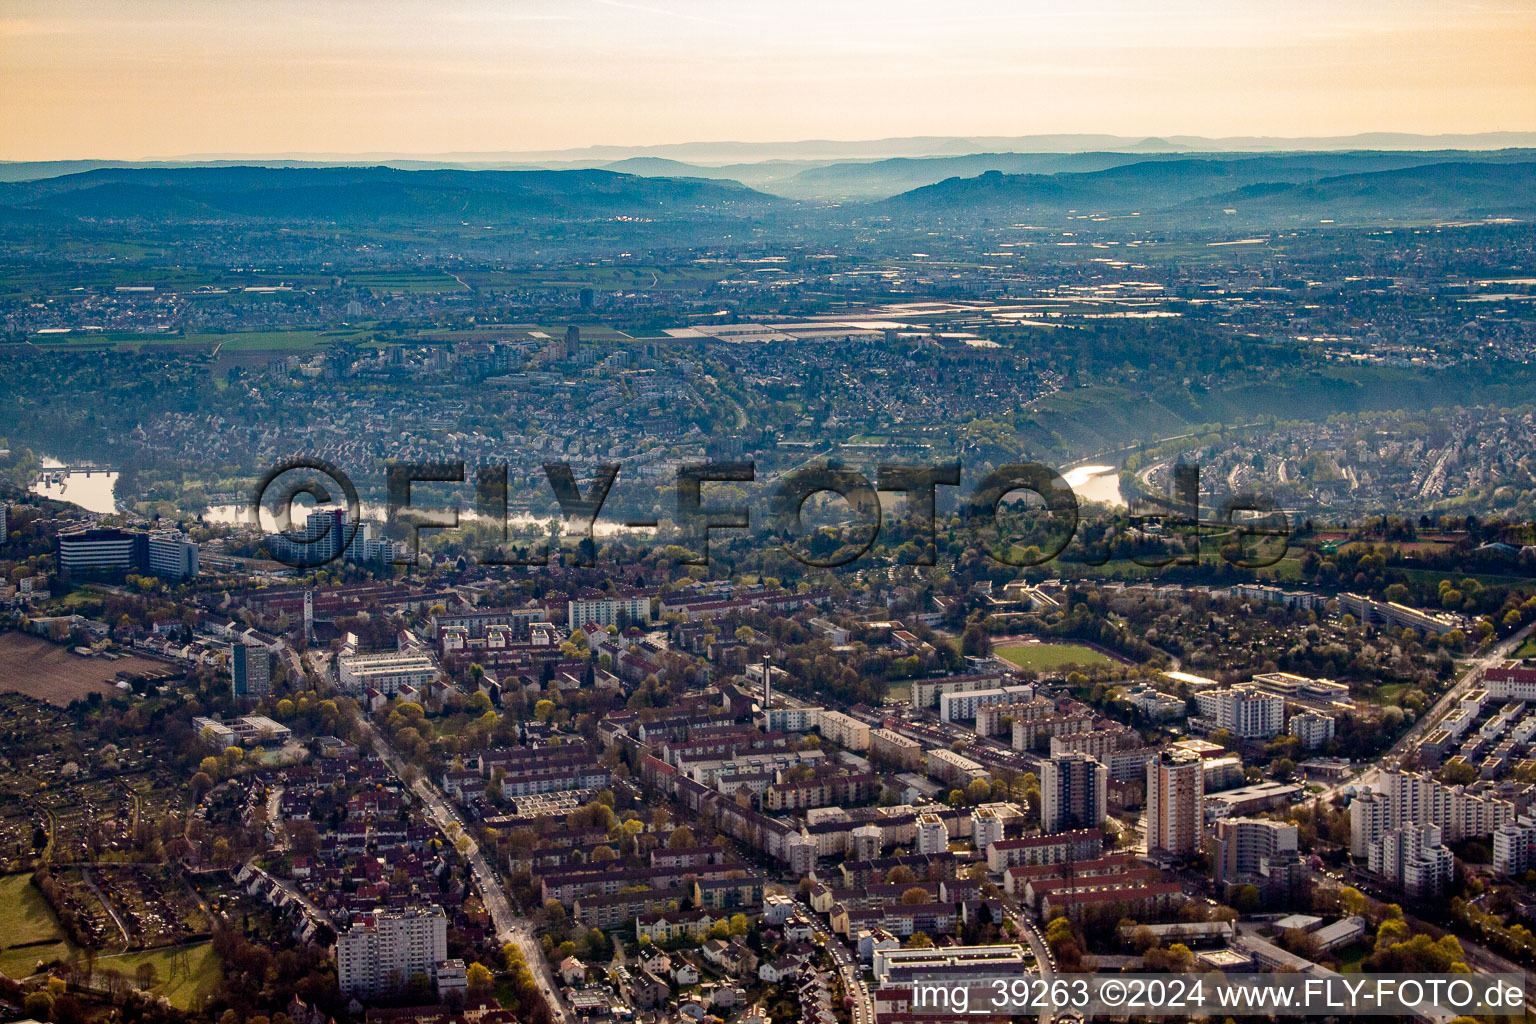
<point>371,193</point>
<point>1174,190</point>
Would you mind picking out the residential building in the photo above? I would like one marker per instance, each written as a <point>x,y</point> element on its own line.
<point>1413,858</point>
<point>1175,804</point>
<point>1072,792</point>
<point>609,610</point>
<point>844,730</point>
<point>894,748</point>
<point>1313,728</point>
<point>954,769</point>
<point>1514,847</point>
<point>1244,710</point>
<point>1412,798</point>
<point>932,833</point>
<point>986,828</point>
<point>961,705</point>
<point>1246,848</point>
<point>384,950</point>
<point>385,671</point>
<point>250,669</point>
<point>1085,844</point>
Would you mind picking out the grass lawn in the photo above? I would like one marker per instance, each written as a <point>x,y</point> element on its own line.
<point>1044,657</point>
<point>24,915</point>
<point>1527,649</point>
<point>900,691</point>
<point>1350,957</point>
<point>1387,695</point>
<point>25,918</point>
<point>182,975</point>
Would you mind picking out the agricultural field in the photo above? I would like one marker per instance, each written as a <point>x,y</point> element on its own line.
<point>1046,657</point>
<point>36,668</point>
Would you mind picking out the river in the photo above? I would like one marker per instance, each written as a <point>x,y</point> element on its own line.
<point>1095,483</point>
<point>91,491</point>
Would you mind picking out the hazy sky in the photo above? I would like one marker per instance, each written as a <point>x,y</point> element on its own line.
<point>140,78</point>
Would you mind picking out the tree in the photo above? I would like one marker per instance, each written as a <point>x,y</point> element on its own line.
<point>1351,901</point>
<point>956,798</point>
<point>681,839</point>
<point>915,896</point>
<point>1458,773</point>
<point>145,975</point>
<point>480,978</point>
<point>543,710</point>
<point>979,791</point>
<point>919,941</point>
<point>975,642</point>
<point>900,875</point>
<point>38,1005</point>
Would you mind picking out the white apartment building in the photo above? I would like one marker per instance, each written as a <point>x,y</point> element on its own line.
<point>1417,799</point>
<point>606,611</point>
<point>1072,793</point>
<point>1413,858</point>
<point>844,730</point>
<point>787,719</point>
<point>986,828</point>
<point>1514,847</point>
<point>1243,710</point>
<point>1245,847</point>
<point>384,950</point>
<point>932,834</point>
<point>385,671</point>
<point>1312,728</point>
<point>961,705</point>
<point>1370,816</point>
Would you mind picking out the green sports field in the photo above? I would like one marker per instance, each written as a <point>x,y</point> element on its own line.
<point>1045,657</point>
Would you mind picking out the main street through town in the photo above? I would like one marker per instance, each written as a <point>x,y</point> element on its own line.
<point>509,926</point>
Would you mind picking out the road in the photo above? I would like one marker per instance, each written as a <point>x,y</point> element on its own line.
<point>1045,962</point>
<point>509,926</point>
<point>1470,675</point>
<point>314,911</point>
<point>847,969</point>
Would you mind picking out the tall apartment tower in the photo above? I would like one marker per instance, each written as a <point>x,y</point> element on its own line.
<point>1175,803</point>
<point>250,670</point>
<point>384,950</point>
<point>1072,793</point>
